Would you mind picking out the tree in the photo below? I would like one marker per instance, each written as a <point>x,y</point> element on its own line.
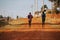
<point>43,7</point>
<point>56,4</point>
<point>1,16</point>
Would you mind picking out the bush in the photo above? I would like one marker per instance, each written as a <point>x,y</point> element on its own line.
<point>1,16</point>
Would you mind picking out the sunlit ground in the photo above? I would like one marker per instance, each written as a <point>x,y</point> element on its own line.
<point>19,29</point>
<point>51,24</point>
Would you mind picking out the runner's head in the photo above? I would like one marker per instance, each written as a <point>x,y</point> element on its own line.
<point>30,13</point>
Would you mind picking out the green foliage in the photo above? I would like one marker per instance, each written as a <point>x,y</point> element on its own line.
<point>57,2</point>
<point>57,12</point>
<point>1,16</point>
<point>43,7</point>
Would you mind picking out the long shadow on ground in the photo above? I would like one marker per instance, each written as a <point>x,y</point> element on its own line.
<point>31,35</point>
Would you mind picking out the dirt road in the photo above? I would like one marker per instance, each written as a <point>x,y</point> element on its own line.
<point>36,32</point>
<point>31,35</point>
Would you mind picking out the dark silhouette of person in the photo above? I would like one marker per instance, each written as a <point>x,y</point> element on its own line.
<point>17,17</point>
<point>43,17</point>
<point>8,18</point>
<point>30,19</point>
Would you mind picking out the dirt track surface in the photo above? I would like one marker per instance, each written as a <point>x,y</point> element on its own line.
<point>36,32</point>
<point>31,35</point>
